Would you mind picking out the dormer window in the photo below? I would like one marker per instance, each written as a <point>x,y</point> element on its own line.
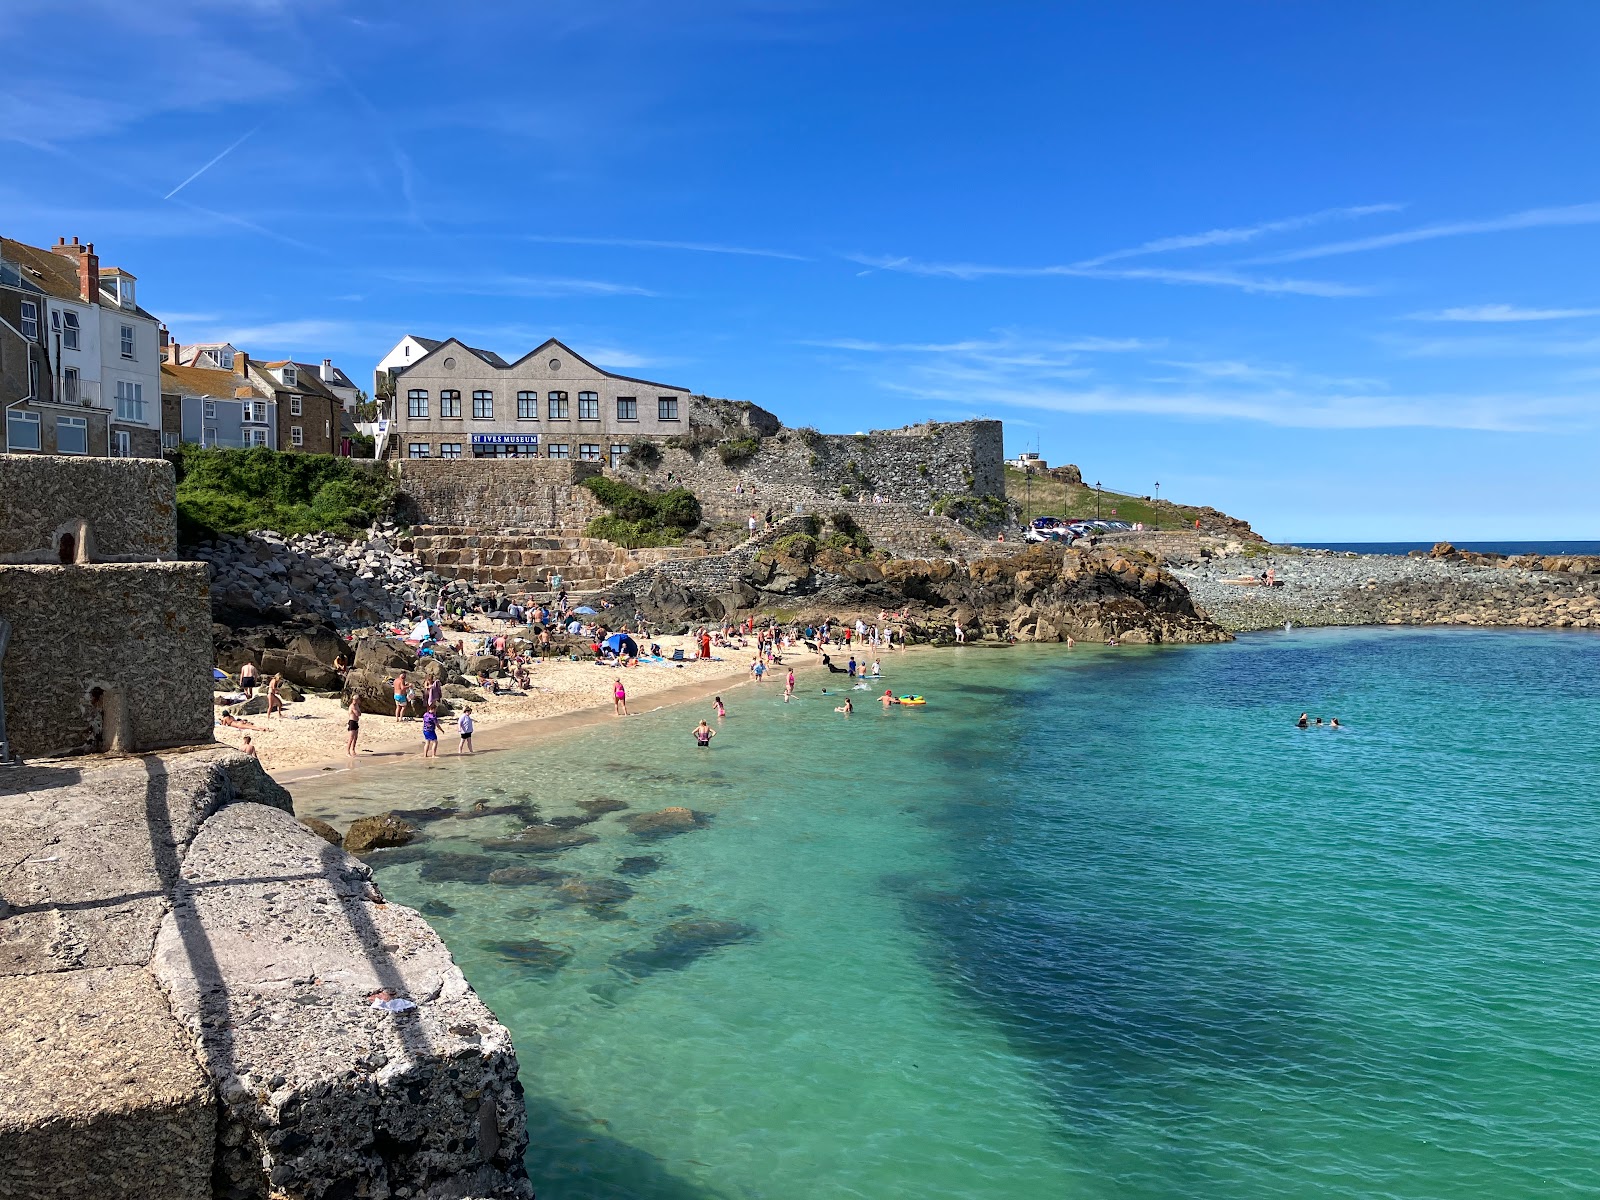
<point>291,377</point>
<point>119,285</point>
<point>223,358</point>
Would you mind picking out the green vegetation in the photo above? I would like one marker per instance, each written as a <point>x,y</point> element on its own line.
<point>642,456</point>
<point>698,438</point>
<point>847,536</point>
<point>976,512</point>
<point>640,518</point>
<point>233,491</point>
<point>1052,497</point>
<point>801,546</point>
<point>735,451</point>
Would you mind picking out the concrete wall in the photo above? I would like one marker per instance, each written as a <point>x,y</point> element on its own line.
<point>128,505</point>
<point>139,632</point>
<point>497,495</point>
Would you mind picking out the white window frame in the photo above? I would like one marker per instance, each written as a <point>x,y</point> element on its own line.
<point>209,410</point>
<point>70,331</point>
<point>419,450</point>
<point>30,324</point>
<point>297,435</point>
<point>588,452</point>
<point>483,405</point>
<point>71,385</point>
<point>619,451</point>
<point>78,423</point>
<point>449,449</point>
<point>33,378</point>
<point>291,376</point>
<point>128,343</point>
<point>559,450</point>
<point>588,406</point>
<point>121,444</point>
<point>130,401</point>
<point>169,441</point>
<point>295,406</point>
<point>257,437</point>
<point>665,405</point>
<point>25,419</point>
<point>417,404</point>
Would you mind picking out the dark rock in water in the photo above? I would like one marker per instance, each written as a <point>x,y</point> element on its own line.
<point>451,867</point>
<point>519,875</point>
<point>682,943</point>
<point>376,833</point>
<point>641,864</point>
<point>482,808</point>
<point>381,859</point>
<point>571,821</point>
<point>323,830</point>
<point>666,822</point>
<point>526,912</point>
<point>531,953</point>
<point>601,805</point>
<point>595,893</point>
<point>421,816</point>
<point>437,908</point>
<point>541,839</point>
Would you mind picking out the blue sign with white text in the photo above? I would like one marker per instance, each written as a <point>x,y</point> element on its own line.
<point>505,439</point>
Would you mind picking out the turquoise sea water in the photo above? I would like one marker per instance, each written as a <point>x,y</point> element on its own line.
<point>1096,924</point>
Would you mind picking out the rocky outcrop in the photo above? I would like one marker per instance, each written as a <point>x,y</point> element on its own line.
<point>382,832</point>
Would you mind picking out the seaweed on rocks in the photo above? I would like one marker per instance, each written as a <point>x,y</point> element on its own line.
<point>541,839</point>
<point>424,816</point>
<point>601,805</point>
<point>571,821</point>
<point>531,953</point>
<point>519,808</point>
<point>665,823</point>
<point>639,864</point>
<point>394,856</point>
<point>682,944</point>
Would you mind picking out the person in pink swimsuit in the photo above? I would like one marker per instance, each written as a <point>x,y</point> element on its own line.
<point>619,697</point>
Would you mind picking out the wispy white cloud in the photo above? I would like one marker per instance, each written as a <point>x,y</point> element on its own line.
<point>1533,218</point>
<point>1199,277</point>
<point>1083,345</point>
<point>231,147</point>
<point>1245,233</point>
<point>533,287</point>
<point>657,244</point>
<point>1498,313</point>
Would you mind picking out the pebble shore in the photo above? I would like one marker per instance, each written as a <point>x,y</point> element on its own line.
<point>1323,587</point>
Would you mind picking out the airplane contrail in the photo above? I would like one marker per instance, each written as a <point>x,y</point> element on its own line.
<point>210,164</point>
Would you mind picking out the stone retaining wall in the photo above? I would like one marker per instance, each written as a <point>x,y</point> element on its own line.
<point>114,509</point>
<point>139,633</point>
<point>491,495</point>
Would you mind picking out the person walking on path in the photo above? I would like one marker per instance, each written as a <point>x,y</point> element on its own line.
<point>464,725</point>
<point>274,701</point>
<point>619,698</point>
<point>353,726</point>
<point>401,696</point>
<point>247,680</point>
<point>430,734</point>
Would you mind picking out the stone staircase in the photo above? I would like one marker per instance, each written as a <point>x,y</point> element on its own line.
<point>527,558</point>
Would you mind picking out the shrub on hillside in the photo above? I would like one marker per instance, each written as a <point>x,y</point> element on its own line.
<point>232,491</point>
<point>799,546</point>
<point>735,451</point>
<point>639,517</point>
<point>642,456</point>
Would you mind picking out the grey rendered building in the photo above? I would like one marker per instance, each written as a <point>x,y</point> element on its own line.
<point>457,402</point>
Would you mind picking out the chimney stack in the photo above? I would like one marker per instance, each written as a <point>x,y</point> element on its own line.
<point>327,370</point>
<point>241,363</point>
<point>88,267</point>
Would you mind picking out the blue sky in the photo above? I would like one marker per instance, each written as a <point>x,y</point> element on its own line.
<point>1328,266</point>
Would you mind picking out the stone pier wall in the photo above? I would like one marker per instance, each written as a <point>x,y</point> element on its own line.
<point>497,494</point>
<point>126,506</point>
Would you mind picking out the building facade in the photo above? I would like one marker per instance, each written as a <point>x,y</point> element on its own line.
<point>207,406</point>
<point>223,398</point>
<point>457,402</point>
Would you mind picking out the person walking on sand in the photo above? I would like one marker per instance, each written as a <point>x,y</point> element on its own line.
<point>703,734</point>
<point>401,696</point>
<point>247,680</point>
<point>465,727</point>
<point>430,734</point>
<point>274,701</point>
<point>353,726</point>
<point>619,698</point>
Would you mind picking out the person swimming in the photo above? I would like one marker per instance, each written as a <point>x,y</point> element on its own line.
<point>1333,723</point>
<point>846,707</point>
<point>718,705</point>
<point>1317,723</point>
<point>887,698</point>
<point>1304,722</point>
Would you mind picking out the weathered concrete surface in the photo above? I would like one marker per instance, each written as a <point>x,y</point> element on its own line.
<point>102,1095</point>
<point>275,942</point>
<point>115,509</point>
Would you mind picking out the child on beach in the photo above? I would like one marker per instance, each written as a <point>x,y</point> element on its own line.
<point>465,727</point>
<point>788,686</point>
<point>430,734</point>
<point>619,698</point>
<point>721,711</point>
<point>249,747</point>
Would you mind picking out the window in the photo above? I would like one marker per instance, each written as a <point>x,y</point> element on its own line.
<point>169,441</point>
<point>449,449</point>
<point>209,437</point>
<point>71,391</point>
<point>210,410</point>
<point>223,358</point>
<point>127,341</point>
<point>291,376</point>
<point>449,404</point>
<point>33,377</point>
<point>130,401</point>
<point>619,451</point>
<point>417,404</point>
<point>589,452</point>
<point>295,403</point>
<point>588,406</point>
<point>558,406</point>
<point>558,450</point>
<point>255,437</point>
<point>72,435</point>
<point>297,435</point>
<point>527,406</point>
<point>22,430</point>
<point>666,408</point>
<point>30,320</point>
<point>121,444</point>
<point>483,406</point>
<point>418,450</point>
<point>254,411</point>
<point>627,408</point>
<point>69,331</point>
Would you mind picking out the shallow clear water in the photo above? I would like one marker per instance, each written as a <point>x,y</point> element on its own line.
<point>1092,924</point>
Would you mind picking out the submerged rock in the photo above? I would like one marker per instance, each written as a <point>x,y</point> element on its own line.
<point>595,893</point>
<point>640,864</point>
<point>541,839</point>
<point>571,821</point>
<point>422,816</point>
<point>452,867</point>
<point>437,908</point>
<point>376,833</point>
<point>323,830</point>
<point>531,953</point>
<point>683,943</point>
<point>666,822</point>
<point>483,808</point>
<point>521,875</point>
<point>601,805</point>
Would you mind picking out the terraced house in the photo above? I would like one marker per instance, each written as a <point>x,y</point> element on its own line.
<point>78,356</point>
<point>454,401</point>
<point>214,395</point>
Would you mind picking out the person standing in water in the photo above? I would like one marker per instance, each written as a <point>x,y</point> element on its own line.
<point>788,686</point>
<point>619,698</point>
<point>1304,722</point>
<point>721,711</point>
<point>465,726</point>
<point>430,734</point>
<point>353,726</point>
<point>847,708</point>
<point>703,734</point>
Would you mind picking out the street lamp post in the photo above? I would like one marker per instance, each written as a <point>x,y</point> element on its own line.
<point>1096,499</point>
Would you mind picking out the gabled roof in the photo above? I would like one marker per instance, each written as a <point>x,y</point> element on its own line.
<point>495,360</point>
<point>199,381</point>
<point>308,379</point>
<point>54,274</point>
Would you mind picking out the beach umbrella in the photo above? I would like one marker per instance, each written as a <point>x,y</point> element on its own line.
<point>622,645</point>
